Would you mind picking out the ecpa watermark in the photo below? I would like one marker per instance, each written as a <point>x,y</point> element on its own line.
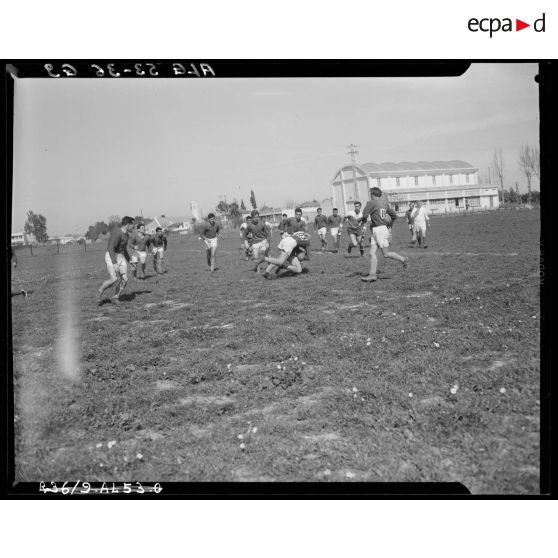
<point>493,25</point>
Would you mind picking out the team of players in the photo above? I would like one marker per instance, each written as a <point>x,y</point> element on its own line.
<point>127,245</point>
<point>256,234</point>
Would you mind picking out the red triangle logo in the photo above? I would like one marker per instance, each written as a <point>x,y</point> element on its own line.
<point>519,25</point>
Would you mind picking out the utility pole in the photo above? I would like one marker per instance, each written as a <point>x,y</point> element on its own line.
<point>352,152</point>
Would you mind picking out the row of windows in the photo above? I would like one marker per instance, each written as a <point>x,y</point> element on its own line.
<point>433,177</point>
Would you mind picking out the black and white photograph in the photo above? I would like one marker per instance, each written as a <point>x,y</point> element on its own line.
<point>250,280</point>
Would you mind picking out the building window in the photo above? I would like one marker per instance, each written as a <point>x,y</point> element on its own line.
<point>434,180</point>
<point>451,178</point>
<point>397,182</point>
<point>416,181</point>
<point>467,178</point>
<point>474,202</point>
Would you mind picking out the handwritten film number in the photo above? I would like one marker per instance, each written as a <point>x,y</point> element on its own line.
<point>127,488</point>
<point>151,69</point>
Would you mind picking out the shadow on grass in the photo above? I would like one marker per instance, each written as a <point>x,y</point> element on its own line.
<point>131,296</point>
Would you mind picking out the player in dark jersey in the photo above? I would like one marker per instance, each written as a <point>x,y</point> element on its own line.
<point>320,225</point>
<point>137,248</point>
<point>296,223</point>
<point>158,246</point>
<point>209,234</point>
<point>13,258</point>
<point>260,237</point>
<point>293,250</point>
<point>355,230</point>
<point>380,216</point>
<point>335,224</point>
<point>246,242</point>
<point>116,259</point>
<point>282,228</point>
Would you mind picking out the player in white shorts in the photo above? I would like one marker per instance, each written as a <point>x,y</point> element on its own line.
<point>380,214</point>
<point>320,225</point>
<point>335,224</point>
<point>209,233</point>
<point>292,251</point>
<point>116,259</point>
<point>420,219</point>
<point>137,247</point>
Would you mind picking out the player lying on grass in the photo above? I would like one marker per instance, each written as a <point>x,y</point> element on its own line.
<point>157,244</point>
<point>292,251</point>
<point>209,234</point>
<point>379,212</point>
<point>320,225</point>
<point>335,224</point>
<point>137,247</point>
<point>117,258</point>
<point>260,238</point>
<point>355,228</point>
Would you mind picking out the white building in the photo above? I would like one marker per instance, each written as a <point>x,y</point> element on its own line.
<point>444,186</point>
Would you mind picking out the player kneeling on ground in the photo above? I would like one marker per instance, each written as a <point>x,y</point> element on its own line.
<point>117,258</point>
<point>378,210</point>
<point>292,251</point>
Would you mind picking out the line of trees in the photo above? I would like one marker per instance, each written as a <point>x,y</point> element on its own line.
<point>529,164</point>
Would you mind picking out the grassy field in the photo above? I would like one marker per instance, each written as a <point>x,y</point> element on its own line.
<point>429,374</point>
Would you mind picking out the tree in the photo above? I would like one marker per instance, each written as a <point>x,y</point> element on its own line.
<point>36,225</point>
<point>114,222</point>
<point>537,162</point>
<point>526,162</point>
<point>222,207</point>
<point>96,230</point>
<point>498,168</point>
<point>253,200</point>
<point>242,206</point>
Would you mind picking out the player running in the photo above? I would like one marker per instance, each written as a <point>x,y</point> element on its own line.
<point>246,242</point>
<point>260,238</point>
<point>137,246</point>
<point>355,229</point>
<point>117,258</point>
<point>296,223</point>
<point>420,219</point>
<point>282,228</point>
<point>293,250</point>
<point>335,224</point>
<point>408,216</point>
<point>320,225</point>
<point>158,246</point>
<point>209,233</point>
<point>378,210</point>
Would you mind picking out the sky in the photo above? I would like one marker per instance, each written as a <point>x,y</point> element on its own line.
<point>88,149</point>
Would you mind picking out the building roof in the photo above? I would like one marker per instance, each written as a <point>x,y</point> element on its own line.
<point>407,166</point>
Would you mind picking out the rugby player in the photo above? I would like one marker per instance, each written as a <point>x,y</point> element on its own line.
<point>158,246</point>
<point>355,229</point>
<point>420,219</point>
<point>246,242</point>
<point>117,258</point>
<point>292,251</point>
<point>320,225</point>
<point>408,216</point>
<point>283,225</point>
<point>137,246</point>
<point>260,238</point>
<point>335,224</point>
<point>296,223</point>
<point>378,210</point>
<point>209,234</point>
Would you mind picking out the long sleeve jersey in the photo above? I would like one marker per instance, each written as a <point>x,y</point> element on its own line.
<point>118,244</point>
<point>377,210</point>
